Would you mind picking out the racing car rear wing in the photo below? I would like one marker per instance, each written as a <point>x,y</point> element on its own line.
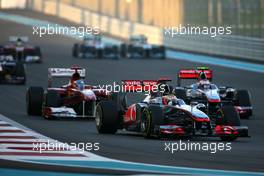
<point>64,73</point>
<point>194,74</point>
<point>138,85</point>
<point>14,38</point>
<point>143,85</point>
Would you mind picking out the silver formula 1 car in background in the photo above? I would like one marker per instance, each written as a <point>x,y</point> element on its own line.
<point>93,47</point>
<point>138,47</point>
<point>212,96</point>
<point>18,49</point>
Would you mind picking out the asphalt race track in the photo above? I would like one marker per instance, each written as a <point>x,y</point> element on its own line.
<point>246,154</point>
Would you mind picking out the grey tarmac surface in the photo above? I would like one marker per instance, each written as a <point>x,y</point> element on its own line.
<point>246,154</point>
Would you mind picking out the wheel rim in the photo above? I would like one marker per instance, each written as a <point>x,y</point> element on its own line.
<point>145,123</point>
<point>97,119</point>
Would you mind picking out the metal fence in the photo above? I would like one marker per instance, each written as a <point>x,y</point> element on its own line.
<point>245,16</point>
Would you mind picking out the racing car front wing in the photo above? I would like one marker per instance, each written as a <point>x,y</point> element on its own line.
<point>49,112</point>
<point>218,131</point>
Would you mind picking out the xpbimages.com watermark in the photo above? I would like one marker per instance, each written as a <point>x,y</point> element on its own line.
<point>133,87</point>
<point>211,147</point>
<point>56,29</point>
<point>59,146</point>
<point>212,31</point>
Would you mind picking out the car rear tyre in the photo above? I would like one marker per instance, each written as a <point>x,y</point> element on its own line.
<point>163,51</point>
<point>123,50</point>
<point>231,117</point>
<point>75,50</point>
<point>106,117</point>
<point>38,51</point>
<point>34,100</point>
<point>243,98</point>
<point>115,52</point>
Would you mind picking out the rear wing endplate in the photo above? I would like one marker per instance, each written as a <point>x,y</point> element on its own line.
<point>64,73</point>
<point>193,74</point>
<point>14,38</point>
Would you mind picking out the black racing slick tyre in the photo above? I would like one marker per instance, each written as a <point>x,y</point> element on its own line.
<point>115,52</point>
<point>123,50</point>
<point>243,98</point>
<point>120,100</point>
<point>146,126</point>
<point>38,51</point>
<point>106,117</point>
<point>75,50</point>
<point>34,100</point>
<point>163,52</point>
<point>53,99</point>
<point>230,117</point>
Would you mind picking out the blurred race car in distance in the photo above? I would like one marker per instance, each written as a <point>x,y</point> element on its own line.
<point>138,47</point>
<point>74,99</point>
<point>19,49</point>
<point>204,91</point>
<point>93,47</point>
<point>12,72</point>
<point>162,114</point>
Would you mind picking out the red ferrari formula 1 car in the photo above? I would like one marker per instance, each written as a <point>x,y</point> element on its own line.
<point>74,99</point>
<point>18,49</point>
<point>203,91</point>
<point>161,114</point>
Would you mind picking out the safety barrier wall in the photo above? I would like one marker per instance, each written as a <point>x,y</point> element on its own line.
<point>246,48</point>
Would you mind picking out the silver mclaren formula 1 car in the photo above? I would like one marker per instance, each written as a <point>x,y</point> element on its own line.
<point>93,47</point>
<point>162,114</point>
<point>212,96</point>
<point>138,47</point>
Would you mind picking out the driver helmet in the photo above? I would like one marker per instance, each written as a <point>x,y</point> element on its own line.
<point>80,84</point>
<point>202,76</point>
<point>19,42</point>
<point>75,76</point>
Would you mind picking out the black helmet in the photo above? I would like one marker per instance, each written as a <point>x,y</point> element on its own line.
<point>76,76</point>
<point>202,76</point>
